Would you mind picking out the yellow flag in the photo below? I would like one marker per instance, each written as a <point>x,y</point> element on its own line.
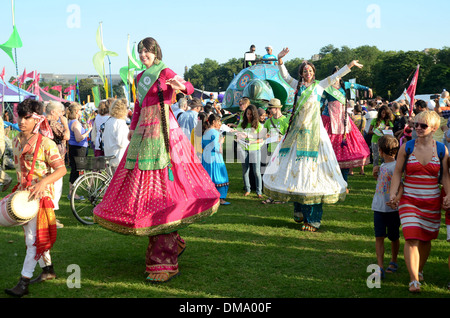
<point>106,87</point>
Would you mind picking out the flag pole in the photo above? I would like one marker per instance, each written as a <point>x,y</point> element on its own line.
<point>15,49</point>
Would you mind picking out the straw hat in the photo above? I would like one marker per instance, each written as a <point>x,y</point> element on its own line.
<point>275,102</point>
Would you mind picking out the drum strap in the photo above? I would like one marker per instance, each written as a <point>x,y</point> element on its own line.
<point>36,150</point>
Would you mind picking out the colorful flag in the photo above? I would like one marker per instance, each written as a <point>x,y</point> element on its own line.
<point>411,91</point>
<point>22,78</point>
<point>69,88</point>
<point>59,89</point>
<point>2,75</point>
<point>13,42</point>
<point>106,88</point>
<point>78,90</point>
<point>99,57</point>
<point>96,94</point>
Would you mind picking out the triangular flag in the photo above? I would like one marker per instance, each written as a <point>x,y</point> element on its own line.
<point>411,91</point>
<point>14,41</point>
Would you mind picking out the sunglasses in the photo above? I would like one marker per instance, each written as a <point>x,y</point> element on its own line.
<point>423,126</point>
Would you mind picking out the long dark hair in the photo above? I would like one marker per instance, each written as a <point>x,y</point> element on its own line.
<point>255,117</point>
<point>389,118</point>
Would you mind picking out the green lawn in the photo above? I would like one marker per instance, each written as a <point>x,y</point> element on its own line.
<point>246,250</point>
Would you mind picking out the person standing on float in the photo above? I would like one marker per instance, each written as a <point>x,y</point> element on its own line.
<point>160,185</point>
<point>303,167</point>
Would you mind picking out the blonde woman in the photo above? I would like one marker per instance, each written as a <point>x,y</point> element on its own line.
<point>115,134</point>
<point>420,203</point>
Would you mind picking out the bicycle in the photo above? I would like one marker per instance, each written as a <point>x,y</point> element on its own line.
<point>89,188</point>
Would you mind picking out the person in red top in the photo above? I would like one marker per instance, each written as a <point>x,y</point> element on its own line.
<point>160,185</point>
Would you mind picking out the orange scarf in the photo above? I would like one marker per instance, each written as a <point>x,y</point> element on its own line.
<point>45,227</point>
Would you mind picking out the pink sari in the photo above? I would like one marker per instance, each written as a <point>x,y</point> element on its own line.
<point>146,202</point>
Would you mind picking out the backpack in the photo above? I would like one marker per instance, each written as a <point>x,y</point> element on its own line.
<point>440,150</point>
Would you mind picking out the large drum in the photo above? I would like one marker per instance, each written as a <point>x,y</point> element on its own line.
<point>16,209</point>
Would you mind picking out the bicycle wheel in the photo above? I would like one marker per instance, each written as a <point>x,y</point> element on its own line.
<point>89,189</point>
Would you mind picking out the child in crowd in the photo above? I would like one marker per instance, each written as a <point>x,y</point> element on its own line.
<point>383,121</point>
<point>386,217</point>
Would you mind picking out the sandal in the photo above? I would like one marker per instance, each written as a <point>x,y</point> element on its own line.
<point>392,269</point>
<point>181,247</point>
<point>309,228</point>
<point>421,277</point>
<point>155,278</point>
<point>298,217</point>
<point>414,286</point>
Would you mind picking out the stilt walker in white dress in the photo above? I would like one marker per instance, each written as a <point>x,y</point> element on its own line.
<point>304,168</point>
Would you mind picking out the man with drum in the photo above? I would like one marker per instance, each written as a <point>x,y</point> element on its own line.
<point>35,157</point>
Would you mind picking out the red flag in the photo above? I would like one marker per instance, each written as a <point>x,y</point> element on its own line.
<point>30,75</point>
<point>22,78</point>
<point>2,74</point>
<point>45,89</point>
<point>411,91</point>
<point>69,88</point>
<point>57,88</point>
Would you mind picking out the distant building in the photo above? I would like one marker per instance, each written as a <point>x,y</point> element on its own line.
<point>70,78</point>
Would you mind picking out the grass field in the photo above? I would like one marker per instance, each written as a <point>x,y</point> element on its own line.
<point>246,250</point>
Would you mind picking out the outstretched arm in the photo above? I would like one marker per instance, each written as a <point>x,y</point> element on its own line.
<point>283,71</point>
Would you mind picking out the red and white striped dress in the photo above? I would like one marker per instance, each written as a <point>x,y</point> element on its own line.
<point>420,205</point>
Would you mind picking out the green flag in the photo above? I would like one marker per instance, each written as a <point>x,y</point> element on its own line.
<point>99,57</point>
<point>14,41</point>
<point>96,94</point>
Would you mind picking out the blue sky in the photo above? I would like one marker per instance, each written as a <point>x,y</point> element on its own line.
<point>58,39</point>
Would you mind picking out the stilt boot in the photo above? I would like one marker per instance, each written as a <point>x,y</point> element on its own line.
<point>48,273</point>
<point>20,289</point>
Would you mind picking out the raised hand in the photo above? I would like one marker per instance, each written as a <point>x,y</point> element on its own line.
<point>176,84</point>
<point>283,53</point>
<point>355,63</point>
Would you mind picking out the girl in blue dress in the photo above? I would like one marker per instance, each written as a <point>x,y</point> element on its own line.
<point>212,158</point>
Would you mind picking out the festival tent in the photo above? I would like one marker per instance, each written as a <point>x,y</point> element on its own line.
<point>13,94</point>
<point>428,98</point>
<point>46,96</point>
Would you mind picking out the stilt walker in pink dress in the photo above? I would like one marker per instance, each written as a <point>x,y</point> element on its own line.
<point>348,143</point>
<point>160,185</point>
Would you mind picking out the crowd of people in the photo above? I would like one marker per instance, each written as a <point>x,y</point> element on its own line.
<point>169,168</point>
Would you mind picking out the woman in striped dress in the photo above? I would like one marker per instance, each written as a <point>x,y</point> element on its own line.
<point>420,204</point>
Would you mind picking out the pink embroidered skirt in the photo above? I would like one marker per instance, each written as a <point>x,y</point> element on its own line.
<point>146,202</point>
<point>354,152</point>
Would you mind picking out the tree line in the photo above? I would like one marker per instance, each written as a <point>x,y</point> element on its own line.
<point>388,73</point>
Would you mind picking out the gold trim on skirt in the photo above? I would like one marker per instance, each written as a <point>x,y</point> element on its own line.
<point>305,199</point>
<point>158,229</point>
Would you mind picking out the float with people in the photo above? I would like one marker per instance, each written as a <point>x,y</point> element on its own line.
<point>260,83</point>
